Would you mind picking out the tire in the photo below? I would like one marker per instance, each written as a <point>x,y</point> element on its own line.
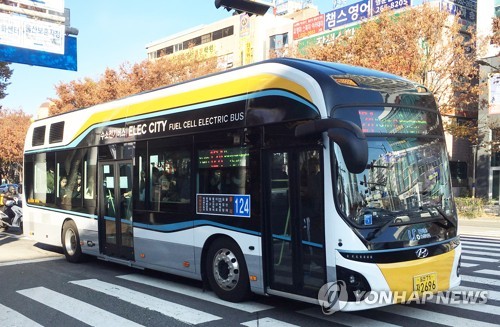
<point>71,242</point>
<point>226,271</point>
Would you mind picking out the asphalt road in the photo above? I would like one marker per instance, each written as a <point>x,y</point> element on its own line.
<point>40,288</point>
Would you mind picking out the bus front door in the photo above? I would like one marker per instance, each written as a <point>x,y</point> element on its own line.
<point>115,209</point>
<point>295,223</point>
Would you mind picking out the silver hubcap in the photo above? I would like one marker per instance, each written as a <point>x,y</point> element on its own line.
<point>226,269</point>
<point>70,241</point>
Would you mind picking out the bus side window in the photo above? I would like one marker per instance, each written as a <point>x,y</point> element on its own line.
<point>223,170</point>
<point>170,181</point>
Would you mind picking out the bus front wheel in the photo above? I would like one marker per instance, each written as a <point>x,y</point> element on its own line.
<point>71,242</point>
<point>226,271</point>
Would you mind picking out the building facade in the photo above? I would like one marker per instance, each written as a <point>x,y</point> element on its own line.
<point>487,154</point>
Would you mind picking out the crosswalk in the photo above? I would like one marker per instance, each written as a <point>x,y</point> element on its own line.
<point>480,271</point>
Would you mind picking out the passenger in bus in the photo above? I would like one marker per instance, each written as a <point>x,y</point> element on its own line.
<point>215,182</point>
<point>64,199</point>
<point>62,187</point>
<point>235,182</point>
<point>77,191</point>
<point>168,183</point>
<point>142,186</point>
<point>50,181</point>
<point>184,184</point>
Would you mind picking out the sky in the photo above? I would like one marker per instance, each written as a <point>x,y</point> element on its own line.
<point>113,32</point>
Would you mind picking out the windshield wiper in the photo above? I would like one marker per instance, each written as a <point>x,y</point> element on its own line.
<point>440,211</point>
<point>381,229</point>
<point>396,217</point>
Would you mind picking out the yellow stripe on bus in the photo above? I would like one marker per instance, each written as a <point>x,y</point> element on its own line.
<point>206,94</point>
<point>400,275</point>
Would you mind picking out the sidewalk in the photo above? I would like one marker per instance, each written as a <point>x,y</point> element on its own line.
<point>487,226</point>
<point>15,247</point>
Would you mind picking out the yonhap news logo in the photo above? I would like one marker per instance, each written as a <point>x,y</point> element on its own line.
<point>334,297</point>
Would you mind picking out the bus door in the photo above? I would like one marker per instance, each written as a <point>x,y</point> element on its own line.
<point>294,237</point>
<point>115,209</point>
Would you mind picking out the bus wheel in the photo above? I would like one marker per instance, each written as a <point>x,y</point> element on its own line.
<point>226,271</point>
<point>71,242</point>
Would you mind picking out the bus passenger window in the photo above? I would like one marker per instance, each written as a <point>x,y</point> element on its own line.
<point>223,171</point>
<point>170,177</point>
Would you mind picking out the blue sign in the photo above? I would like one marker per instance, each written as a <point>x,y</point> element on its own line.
<point>465,12</point>
<point>66,61</point>
<point>368,219</point>
<point>347,14</point>
<point>470,4</point>
<point>235,205</point>
<point>242,205</point>
<point>379,5</point>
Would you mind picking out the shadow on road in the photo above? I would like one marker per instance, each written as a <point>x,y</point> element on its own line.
<point>50,248</point>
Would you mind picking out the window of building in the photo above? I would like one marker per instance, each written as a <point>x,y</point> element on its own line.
<point>458,170</point>
<point>495,153</point>
<point>177,47</point>
<point>206,38</point>
<point>278,41</point>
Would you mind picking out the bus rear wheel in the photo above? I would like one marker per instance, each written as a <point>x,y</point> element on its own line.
<point>71,242</point>
<point>226,271</point>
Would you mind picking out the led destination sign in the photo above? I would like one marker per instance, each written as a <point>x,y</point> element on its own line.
<point>220,158</point>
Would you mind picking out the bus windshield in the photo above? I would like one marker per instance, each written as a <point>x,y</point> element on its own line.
<point>407,179</point>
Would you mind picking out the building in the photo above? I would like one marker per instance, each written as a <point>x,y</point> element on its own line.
<point>488,159</point>
<point>238,39</point>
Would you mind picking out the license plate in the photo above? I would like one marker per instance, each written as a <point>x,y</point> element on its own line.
<point>425,283</point>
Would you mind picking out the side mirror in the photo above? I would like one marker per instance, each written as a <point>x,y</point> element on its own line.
<point>349,137</point>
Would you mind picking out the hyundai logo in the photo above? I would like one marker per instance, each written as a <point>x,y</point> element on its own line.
<point>422,253</point>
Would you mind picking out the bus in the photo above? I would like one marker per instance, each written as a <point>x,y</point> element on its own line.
<point>275,178</point>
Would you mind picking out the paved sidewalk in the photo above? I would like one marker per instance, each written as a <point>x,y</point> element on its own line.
<point>15,247</point>
<point>488,227</point>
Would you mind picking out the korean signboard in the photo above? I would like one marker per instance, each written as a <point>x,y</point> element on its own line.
<point>347,14</point>
<point>494,94</point>
<point>466,9</point>
<point>54,5</point>
<point>280,7</point>
<point>32,34</point>
<point>379,5</point>
<point>361,10</point>
<point>308,27</point>
<point>325,38</point>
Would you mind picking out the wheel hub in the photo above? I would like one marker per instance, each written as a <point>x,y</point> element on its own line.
<point>226,269</point>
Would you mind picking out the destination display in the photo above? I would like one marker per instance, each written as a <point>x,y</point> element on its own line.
<point>236,205</point>
<point>398,121</point>
<point>220,158</point>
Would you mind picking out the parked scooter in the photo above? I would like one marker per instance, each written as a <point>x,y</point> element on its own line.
<point>12,213</point>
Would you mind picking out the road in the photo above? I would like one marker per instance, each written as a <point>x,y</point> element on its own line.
<point>45,290</point>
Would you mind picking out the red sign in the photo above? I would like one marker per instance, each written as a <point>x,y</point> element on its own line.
<point>308,27</point>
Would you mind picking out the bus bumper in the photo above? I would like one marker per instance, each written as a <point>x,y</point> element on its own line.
<point>415,281</point>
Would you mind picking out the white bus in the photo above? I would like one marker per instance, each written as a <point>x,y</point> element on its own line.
<point>275,178</point>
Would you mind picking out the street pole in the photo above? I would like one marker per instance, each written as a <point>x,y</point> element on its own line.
<point>474,159</point>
